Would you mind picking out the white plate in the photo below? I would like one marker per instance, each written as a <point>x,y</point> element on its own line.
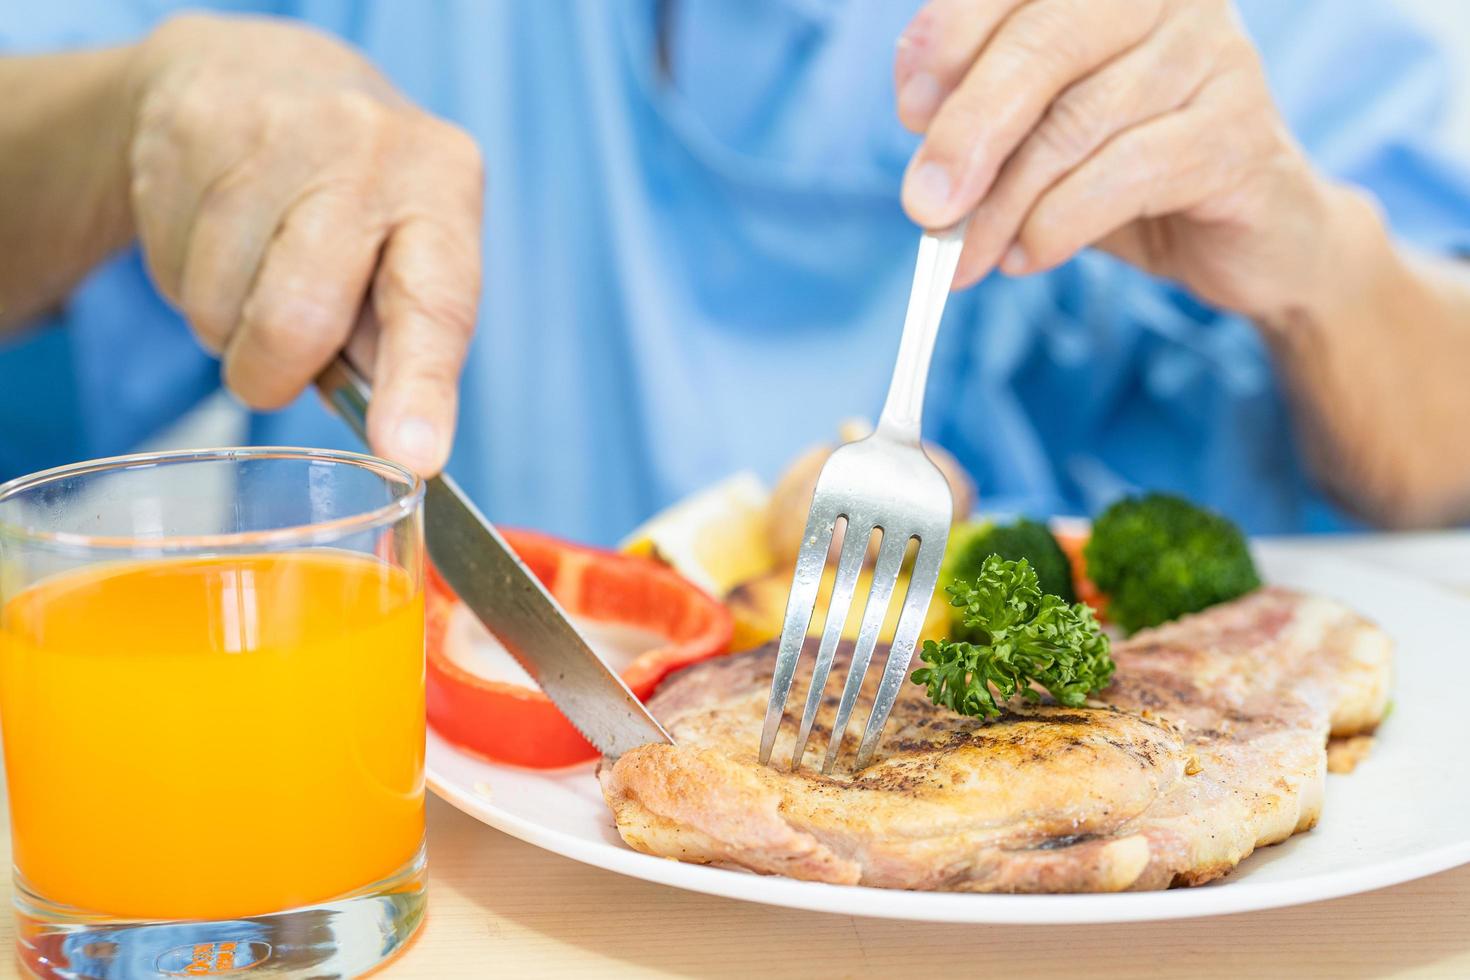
<point>1403,814</point>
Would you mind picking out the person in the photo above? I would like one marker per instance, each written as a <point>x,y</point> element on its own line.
<point>1215,244</point>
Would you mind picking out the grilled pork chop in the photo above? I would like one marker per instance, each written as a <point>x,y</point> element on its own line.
<point>1209,743</point>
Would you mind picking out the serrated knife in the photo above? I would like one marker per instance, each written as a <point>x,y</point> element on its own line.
<point>512,603</point>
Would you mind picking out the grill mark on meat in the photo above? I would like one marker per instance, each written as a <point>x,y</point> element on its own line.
<point>1068,719</point>
<point>1064,841</point>
<point>1141,752</point>
<point>1210,742</point>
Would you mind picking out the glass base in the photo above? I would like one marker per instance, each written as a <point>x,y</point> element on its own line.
<point>346,937</point>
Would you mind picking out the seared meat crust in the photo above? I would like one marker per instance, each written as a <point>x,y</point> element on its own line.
<point>1209,743</point>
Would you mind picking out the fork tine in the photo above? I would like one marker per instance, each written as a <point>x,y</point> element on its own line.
<point>849,566</point>
<point>885,577</point>
<point>816,540</point>
<point>915,608</point>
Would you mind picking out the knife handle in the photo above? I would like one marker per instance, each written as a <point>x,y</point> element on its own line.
<point>347,392</point>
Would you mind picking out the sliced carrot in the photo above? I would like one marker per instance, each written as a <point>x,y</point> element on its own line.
<point>1074,543</point>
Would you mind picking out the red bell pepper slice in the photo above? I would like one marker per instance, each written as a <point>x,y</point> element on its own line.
<point>513,723</point>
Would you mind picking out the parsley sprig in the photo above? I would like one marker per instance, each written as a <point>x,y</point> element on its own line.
<point>1014,636</point>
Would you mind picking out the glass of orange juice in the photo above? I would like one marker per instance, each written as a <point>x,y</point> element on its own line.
<point>212,700</point>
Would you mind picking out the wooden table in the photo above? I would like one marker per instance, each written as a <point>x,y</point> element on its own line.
<point>498,907</point>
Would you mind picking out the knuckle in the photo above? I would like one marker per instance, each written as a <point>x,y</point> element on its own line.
<point>456,148</point>
<point>358,110</point>
<point>367,130</point>
<point>336,217</point>
<point>279,113</point>
<point>230,193</point>
<point>343,214</point>
<point>438,282</point>
<point>462,146</point>
<point>445,308</point>
<point>1232,51</point>
<point>287,328</point>
<point>1072,127</point>
<point>267,331</point>
<point>182,110</point>
<point>151,119</point>
<point>434,303</point>
<point>317,327</point>
<point>333,122</point>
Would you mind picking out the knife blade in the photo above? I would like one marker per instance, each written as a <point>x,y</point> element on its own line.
<point>509,600</point>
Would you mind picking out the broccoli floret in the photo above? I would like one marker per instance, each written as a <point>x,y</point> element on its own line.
<point>1157,557</point>
<point>971,544</point>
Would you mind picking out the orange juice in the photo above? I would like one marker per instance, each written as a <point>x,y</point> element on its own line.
<point>214,737</point>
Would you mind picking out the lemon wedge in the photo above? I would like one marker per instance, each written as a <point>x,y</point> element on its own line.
<point>715,538</point>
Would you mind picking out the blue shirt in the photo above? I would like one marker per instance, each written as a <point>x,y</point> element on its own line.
<point>685,279</point>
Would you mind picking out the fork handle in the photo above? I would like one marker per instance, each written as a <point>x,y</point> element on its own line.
<point>939,256</point>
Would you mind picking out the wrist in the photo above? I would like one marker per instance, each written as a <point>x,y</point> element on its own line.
<point>1346,254</point>
<point>93,160</point>
<point>120,111</point>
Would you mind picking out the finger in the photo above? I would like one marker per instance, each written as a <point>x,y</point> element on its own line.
<point>362,347</point>
<point>936,50</point>
<point>1160,74</point>
<point>173,171</point>
<point>1133,244</point>
<point>306,298</point>
<point>1042,48</point>
<point>240,211</point>
<point>1162,167</point>
<point>425,295</point>
<point>227,241</point>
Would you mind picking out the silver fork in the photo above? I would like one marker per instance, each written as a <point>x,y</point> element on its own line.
<point>884,483</point>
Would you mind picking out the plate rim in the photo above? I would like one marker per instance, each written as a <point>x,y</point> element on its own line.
<point>868,901</point>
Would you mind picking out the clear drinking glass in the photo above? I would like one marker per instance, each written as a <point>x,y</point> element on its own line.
<point>212,698</point>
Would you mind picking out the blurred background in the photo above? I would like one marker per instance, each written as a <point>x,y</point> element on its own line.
<point>219,421</point>
<point>1450,21</point>
<point>658,349</point>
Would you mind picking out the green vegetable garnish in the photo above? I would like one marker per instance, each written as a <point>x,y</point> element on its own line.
<point>1019,636</point>
<point>971,544</point>
<point>1158,557</point>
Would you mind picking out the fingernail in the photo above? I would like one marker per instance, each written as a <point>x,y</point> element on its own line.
<point>416,443</point>
<point>919,97</point>
<point>929,190</point>
<point>911,44</point>
<point>1015,260</point>
<point>907,56</point>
